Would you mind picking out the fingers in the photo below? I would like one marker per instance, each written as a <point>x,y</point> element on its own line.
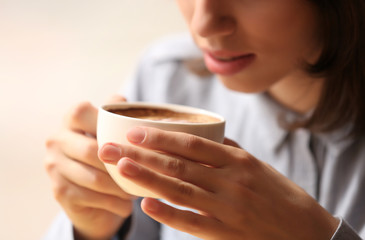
<point>92,199</point>
<point>115,99</point>
<point>163,163</point>
<point>230,142</point>
<point>190,146</point>
<point>186,221</point>
<point>79,184</point>
<point>90,178</point>
<point>79,147</point>
<point>82,118</point>
<point>72,196</point>
<point>172,189</point>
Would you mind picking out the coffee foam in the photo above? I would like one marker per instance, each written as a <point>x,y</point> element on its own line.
<point>164,115</point>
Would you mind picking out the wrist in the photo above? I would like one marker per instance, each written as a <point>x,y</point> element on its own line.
<point>326,224</point>
<point>119,233</point>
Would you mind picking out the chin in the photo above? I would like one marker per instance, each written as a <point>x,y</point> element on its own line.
<point>241,86</point>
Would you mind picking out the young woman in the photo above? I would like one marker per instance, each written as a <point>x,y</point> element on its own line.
<point>288,75</point>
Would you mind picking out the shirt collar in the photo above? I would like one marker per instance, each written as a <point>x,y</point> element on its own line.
<point>271,116</point>
<point>275,116</point>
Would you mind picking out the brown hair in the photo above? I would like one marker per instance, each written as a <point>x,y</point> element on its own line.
<point>342,64</point>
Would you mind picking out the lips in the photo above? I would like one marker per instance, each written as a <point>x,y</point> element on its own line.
<point>227,63</point>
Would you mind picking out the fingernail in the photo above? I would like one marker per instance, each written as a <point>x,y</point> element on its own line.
<point>128,167</point>
<point>136,135</point>
<point>110,152</point>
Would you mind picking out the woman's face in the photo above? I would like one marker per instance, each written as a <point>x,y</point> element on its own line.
<point>253,44</point>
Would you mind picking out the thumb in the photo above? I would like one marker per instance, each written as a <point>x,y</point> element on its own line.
<point>230,142</point>
<point>116,98</point>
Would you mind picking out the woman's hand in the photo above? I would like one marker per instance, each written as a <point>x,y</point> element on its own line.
<point>236,195</point>
<point>95,204</point>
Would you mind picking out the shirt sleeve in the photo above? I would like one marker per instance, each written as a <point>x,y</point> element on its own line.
<point>61,229</point>
<point>345,232</point>
<point>138,226</point>
<point>141,225</point>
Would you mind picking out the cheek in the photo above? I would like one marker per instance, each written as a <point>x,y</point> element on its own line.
<point>187,9</point>
<point>291,36</point>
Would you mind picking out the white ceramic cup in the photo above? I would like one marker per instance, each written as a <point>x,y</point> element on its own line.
<point>112,127</point>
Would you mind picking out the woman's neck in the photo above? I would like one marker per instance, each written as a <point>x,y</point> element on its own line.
<point>299,93</point>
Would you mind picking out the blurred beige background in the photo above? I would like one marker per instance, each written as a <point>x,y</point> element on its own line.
<point>52,55</point>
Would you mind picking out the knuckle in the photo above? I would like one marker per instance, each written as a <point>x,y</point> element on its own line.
<point>191,142</point>
<point>176,167</point>
<point>248,163</point>
<point>116,98</point>
<point>158,137</point>
<point>243,190</point>
<point>51,142</point>
<point>193,225</point>
<point>97,179</point>
<point>90,149</point>
<point>183,191</point>
<point>243,174</point>
<point>49,164</point>
<point>77,112</point>
<point>60,191</point>
<point>240,183</point>
<point>243,185</point>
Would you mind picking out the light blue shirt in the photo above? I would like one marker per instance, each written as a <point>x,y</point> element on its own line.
<point>330,169</point>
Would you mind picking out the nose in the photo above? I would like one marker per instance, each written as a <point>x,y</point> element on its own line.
<point>211,18</point>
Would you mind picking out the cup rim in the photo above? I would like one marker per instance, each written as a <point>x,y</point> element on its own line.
<point>167,106</point>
